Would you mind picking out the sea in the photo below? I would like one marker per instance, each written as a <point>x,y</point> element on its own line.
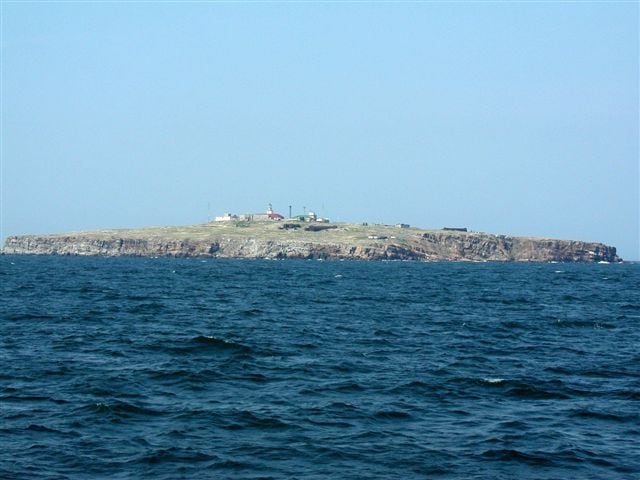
<point>166,368</point>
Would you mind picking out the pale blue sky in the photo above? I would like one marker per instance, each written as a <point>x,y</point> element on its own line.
<point>514,118</point>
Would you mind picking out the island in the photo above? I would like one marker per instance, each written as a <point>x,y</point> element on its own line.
<point>275,238</point>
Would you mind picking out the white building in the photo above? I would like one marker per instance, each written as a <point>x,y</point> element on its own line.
<point>250,217</point>
<point>227,217</point>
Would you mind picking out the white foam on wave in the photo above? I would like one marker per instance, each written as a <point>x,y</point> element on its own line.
<point>493,380</point>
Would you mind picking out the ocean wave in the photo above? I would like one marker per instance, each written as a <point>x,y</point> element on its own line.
<point>535,392</point>
<point>236,465</point>
<point>564,457</point>
<point>258,380</point>
<point>120,409</point>
<point>251,312</point>
<point>598,415</point>
<point>30,398</point>
<point>392,415</point>
<point>203,344</point>
<point>174,454</point>
<point>41,428</point>
<point>29,316</point>
<point>492,380</point>
<point>146,308</point>
<point>512,455</point>
<point>246,419</point>
<point>415,386</point>
<point>44,430</point>
<point>385,333</point>
<point>251,377</point>
<point>217,343</point>
<point>185,375</point>
<point>346,387</point>
<point>627,394</point>
<point>592,324</point>
<point>631,306</point>
<point>342,406</point>
<point>330,423</point>
<point>530,388</point>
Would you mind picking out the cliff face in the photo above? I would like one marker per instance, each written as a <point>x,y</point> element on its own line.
<point>504,248</point>
<point>414,245</point>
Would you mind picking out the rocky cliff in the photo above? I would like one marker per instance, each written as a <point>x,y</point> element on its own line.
<point>344,242</point>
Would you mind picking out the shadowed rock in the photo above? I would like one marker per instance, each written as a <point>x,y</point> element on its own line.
<point>338,241</point>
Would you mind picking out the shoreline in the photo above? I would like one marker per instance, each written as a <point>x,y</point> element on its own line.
<point>271,240</point>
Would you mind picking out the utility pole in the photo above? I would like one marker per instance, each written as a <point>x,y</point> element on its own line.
<point>289,211</point>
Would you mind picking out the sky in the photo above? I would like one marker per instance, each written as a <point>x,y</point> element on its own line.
<point>517,118</point>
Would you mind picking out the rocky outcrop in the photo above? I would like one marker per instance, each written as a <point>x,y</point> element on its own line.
<point>418,245</point>
<point>480,247</point>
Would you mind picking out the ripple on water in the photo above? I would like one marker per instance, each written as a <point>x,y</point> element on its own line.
<point>175,368</point>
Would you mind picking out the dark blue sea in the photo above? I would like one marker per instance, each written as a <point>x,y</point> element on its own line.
<point>122,368</point>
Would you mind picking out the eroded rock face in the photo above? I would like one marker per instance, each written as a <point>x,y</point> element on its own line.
<point>480,247</point>
<point>429,246</point>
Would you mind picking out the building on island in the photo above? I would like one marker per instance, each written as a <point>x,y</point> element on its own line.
<point>269,215</point>
<point>227,217</point>
<point>312,217</point>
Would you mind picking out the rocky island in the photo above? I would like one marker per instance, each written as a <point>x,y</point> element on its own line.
<point>287,239</point>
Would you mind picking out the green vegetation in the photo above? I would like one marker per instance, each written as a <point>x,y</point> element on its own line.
<point>268,230</point>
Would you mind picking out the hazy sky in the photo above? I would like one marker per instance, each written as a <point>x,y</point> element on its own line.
<point>514,118</point>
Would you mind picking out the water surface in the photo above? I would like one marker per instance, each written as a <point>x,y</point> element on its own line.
<point>184,368</point>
